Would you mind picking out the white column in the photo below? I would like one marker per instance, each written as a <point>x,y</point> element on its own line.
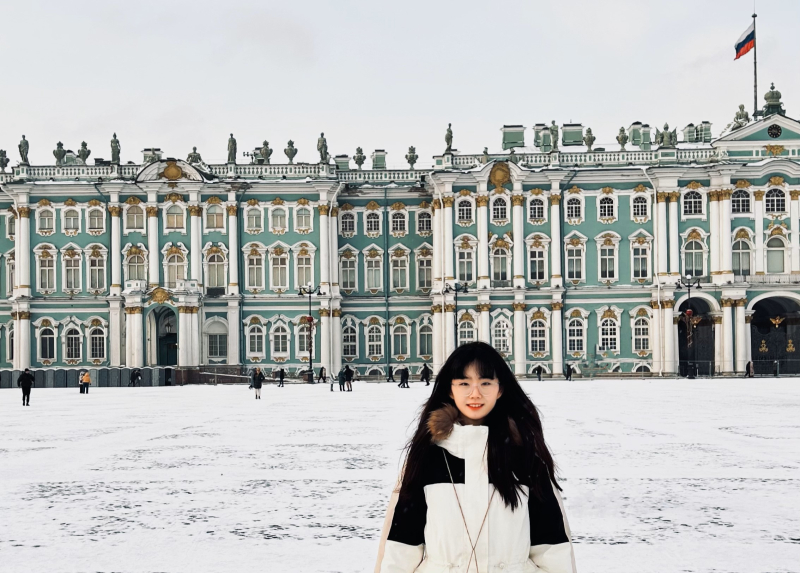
<point>517,213</point>
<point>336,347</point>
<point>233,266</point>
<point>670,359</point>
<point>741,337</point>
<point>718,341</point>
<point>325,338</point>
<point>482,214</point>
<point>449,330</point>
<point>115,331</point>
<point>438,354</point>
<point>674,248</point>
<point>437,245</point>
<point>556,341</point>
<point>116,252</point>
<point>725,261</point>
<point>184,337</point>
<point>22,333</point>
<point>484,321</point>
<point>759,231</point>
<point>447,221</point>
<point>714,228</point>
<point>234,327</point>
<point>748,316</point>
<point>555,244</point>
<point>655,337</point>
<point>794,222</point>
<point>520,332</point>
<point>661,236</point>
<point>727,336</point>
<point>154,255</point>
<point>333,263</point>
<point>134,341</point>
<point>325,255</point>
<point>196,254</point>
<point>22,253</point>
<point>196,332</point>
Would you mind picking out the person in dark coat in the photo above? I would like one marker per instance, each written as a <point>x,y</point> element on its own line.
<point>404,378</point>
<point>281,376</point>
<point>538,371</point>
<point>342,377</point>
<point>425,375</point>
<point>25,381</point>
<point>568,372</point>
<point>323,377</point>
<point>348,378</point>
<point>391,375</point>
<point>136,377</point>
<point>258,380</point>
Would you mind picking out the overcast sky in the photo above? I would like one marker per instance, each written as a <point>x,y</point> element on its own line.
<point>176,74</point>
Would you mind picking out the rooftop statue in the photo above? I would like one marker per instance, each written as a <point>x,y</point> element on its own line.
<point>23,150</point>
<point>194,157</point>
<point>290,151</point>
<point>554,135</point>
<point>485,158</point>
<point>359,157</point>
<point>322,147</point>
<point>231,150</point>
<point>588,139</point>
<point>448,139</point>
<point>513,157</point>
<point>666,138</point>
<point>59,153</point>
<point>622,138</point>
<point>265,152</point>
<point>3,160</point>
<point>412,156</point>
<point>115,149</point>
<point>84,153</point>
<point>741,118</point>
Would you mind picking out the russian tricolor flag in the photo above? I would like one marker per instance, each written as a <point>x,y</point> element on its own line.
<point>746,42</point>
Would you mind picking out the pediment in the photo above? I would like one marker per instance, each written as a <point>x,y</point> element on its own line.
<point>169,170</point>
<point>758,132</point>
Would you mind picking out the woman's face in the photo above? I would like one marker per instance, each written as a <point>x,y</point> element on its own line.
<point>474,396</point>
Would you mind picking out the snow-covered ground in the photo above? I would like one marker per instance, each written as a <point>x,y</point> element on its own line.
<point>659,476</point>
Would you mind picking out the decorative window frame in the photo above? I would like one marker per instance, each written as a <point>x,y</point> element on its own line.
<point>68,324</point>
<point>608,239</point>
<point>276,204</point>
<point>347,209</point>
<point>424,209</point>
<point>583,315</point>
<point>303,203</point>
<point>534,314</point>
<point>492,200</point>
<point>251,321</point>
<point>465,196</point>
<point>96,251</point>
<point>95,206</point>
<point>280,322</point>
<point>11,214</point>
<point>253,205</point>
<point>213,320</point>
<point>210,249</point>
<point>786,203</point>
<point>129,251</point>
<point>89,325</point>
<point>638,239</point>
<point>373,207</point>
<point>167,251</point>
<point>607,193</point>
<point>401,210</point>
<point>206,206</point>
<point>581,200</point>
<point>575,240</point>
<point>133,201</point>
<point>750,214</point>
<point>637,365</point>
<point>614,313</point>
<point>703,192</point>
<point>45,251</point>
<point>254,248</point>
<point>537,195</point>
<point>9,341</point>
<point>465,317</point>
<point>73,252</point>
<point>504,242</point>
<point>39,324</point>
<point>641,192</point>
<point>538,241</point>
<point>173,201</point>
<point>298,324</point>
<point>303,249</point>
<point>466,242</point>
<point>39,211</point>
<point>373,252</point>
<point>371,321</point>
<point>400,252</point>
<point>778,232</point>
<point>636,313</point>
<point>748,236</point>
<point>10,269</point>
<point>350,321</point>
<point>422,321</point>
<point>505,315</point>
<point>396,322</point>
<point>695,234</point>
<point>70,205</point>
<point>350,253</point>
<point>275,250</point>
<point>422,253</point>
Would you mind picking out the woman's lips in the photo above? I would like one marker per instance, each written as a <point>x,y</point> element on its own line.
<point>474,406</point>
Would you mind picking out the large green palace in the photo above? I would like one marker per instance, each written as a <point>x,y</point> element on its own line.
<point>570,253</point>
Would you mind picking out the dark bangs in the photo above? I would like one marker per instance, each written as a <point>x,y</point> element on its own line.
<point>487,362</point>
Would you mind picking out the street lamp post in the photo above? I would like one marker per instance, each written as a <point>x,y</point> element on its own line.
<point>455,288</point>
<point>688,318</point>
<point>310,290</point>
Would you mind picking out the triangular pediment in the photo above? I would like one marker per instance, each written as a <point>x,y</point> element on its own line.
<point>764,132</point>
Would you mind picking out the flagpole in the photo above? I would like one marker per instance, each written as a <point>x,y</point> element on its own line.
<point>755,69</point>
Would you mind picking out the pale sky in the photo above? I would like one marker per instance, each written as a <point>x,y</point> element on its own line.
<point>175,74</point>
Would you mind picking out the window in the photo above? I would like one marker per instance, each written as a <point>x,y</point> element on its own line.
<point>349,342</point>
<point>10,278</point>
<point>373,274</point>
<point>424,222</point>
<point>693,259</point>
<point>537,264</point>
<point>304,219</point>
<point>740,201</point>
<point>255,342</point>
<point>71,220</point>
<point>775,258</point>
<point>96,220</point>
<point>538,336</point>
<point>465,211</point>
<point>304,270</point>
<point>136,268</point>
<point>302,338</point>
<point>174,217</point>
<point>214,217</point>
<point>501,336</point>
<point>424,273</point>
<point>175,270</point>
<point>134,218</point>
<point>466,332</point>
<point>216,271</point>
<point>280,278</point>
<point>574,208</point>
<point>399,273</point>
<point>536,209</point>
<point>741,258</point>
<point>641,335</point>
<point>640,207</point>
<point>465,266</point>
<point>776,201</point>
<point>575,263</point>
<point>608,334</point>
<point>217,346</point>
<point>575,335</point>
<point>47,344</point>
<point>500,210</point>
<point>499,262</point>
<point>348,274</point>
<point>97,274</point>
<point>607,263</point>
<point>10,346</point>
<point>606,207</point>
<point>348,222</point>
<point>375,340</point>
<point>373,223</point>
<point>400,340</point>
<point>640,260</point>
<point>254,219</point>
<point>426,340</point>
<point>47,274</point>
<point>46,220</point>
<point>72,274</point>
<point>278,219</point>
<point>12,225</point>
<point>692,203</point>
<point>97,346</point>
<point>73,338</point>
<point>398,223</point>
<point>255,271</point>
<point>280,340</point>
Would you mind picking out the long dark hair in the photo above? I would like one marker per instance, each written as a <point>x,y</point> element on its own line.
<point>517,455</point>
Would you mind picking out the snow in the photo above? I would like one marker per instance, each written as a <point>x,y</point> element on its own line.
<point>659,476</point>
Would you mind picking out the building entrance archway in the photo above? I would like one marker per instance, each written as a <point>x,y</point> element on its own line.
<point>696,351</point>
<point>774,333</point>
<point>162,337</point>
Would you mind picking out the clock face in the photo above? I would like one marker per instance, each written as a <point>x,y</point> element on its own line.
<point>774,131</point>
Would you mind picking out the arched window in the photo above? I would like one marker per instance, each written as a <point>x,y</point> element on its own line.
<point>47,344</point>
<point>400,340</point>
<point>96,220</point>
<point>349,342</point>
<point>740,201</point>
<point>375,340</point>
<point>97,346</point>
<point>500,210</point>
<point>216,271</point>
<point>775,201</point>
<point>464,211</point>
<point>692,203</point>
<point>175,217</point>
<point>254,219</point>
<point>775,255</point>
<point>304,270</point>
<point>398,223</point>
<point>693,259</point>
<point>373,223</point>
<point>303,218</point>
<point>175,270</point>
<point>640,207</point>
<point>573,208</point>
<point>73,338</point>
<point>280,340</point>
<point>608,334</point>
<point>71,220</point>
<point>499,262</point>
<point>424,222</point>
<point>278,219</point>
<point>134,218</point>
<point>536,209</point>
<point>46,220</point>
<point>217,340</point>
<point>607,207</point>
<point>466,332</point>
<point>575,335</point>
<point>302,338</point>
<point>537,264</point>
<point>501,335</point>
<point>642,368</point>
<point>425,340</point>
<point>280,271</point>
<point>255,340</point>
<point>348,223</point>
<point>641,334</point>
<point>538,336</point>
<point>741,258</point>
<point>214,215</point>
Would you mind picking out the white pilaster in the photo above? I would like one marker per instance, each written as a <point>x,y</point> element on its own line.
<point>196,254</point>
<point>325,254</point>
<point>520,331</point>
<point>794,222</point>
<point>670,329</point>
<point>555,243</point>
<point>197,336</point>
<point>727,336</point>
<point>116,252</point>
<point>484,320</point>
<point>438,350</point>
<point>22,252</point>
<point>154,254</point>
<point>448,234</point>
<point>714,227</point>
<point>115,331</point>
<point>438,239</point>
<point>184,337</point>
<point>517,222</point>
<point>748,316</point>
<point>718,342</point>
<point>333,265</point>
<point>233,263</point>
<point>449,330</point>
<point>134,341</point>
<point>661,236</point>
<point>556,341</point>
<point>325,338</point>
<point>22,333</point>
<point>674,248</point>
<point>655,337</point>
<point>741,336</point>
<point>482,214</point>
<point>759,231</point>
<point>725,260</point>
<point>336,347</point>
<point>234,328</point>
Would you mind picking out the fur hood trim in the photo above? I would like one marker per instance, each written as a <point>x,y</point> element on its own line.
<point>441,422</point>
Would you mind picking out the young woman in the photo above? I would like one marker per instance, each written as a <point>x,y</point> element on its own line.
<point>478,492</point>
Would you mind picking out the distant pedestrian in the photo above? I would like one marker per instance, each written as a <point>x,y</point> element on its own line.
<point>342,377</point>
<point>404,377</point>
<point>538,371</point>
<point>568,372</point>
<point>281,376</point>
<point>391,375</point>
<point>136,377</point>
<point>323,376</point>
<point>258,380</point>
<point>25,381</point>
<point>425,375</point>
<point>775,369</point>
<point>348,378</point>
<point>86,379</point>
<point>750,369</point>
